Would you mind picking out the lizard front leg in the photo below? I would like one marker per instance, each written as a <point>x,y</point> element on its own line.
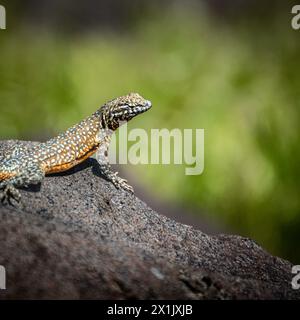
<point>29,175</point>
<point>9,192</point>
<point>106,169</point>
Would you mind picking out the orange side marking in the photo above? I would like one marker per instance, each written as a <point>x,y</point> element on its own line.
<point>6,175</point>
<point>69,165</point>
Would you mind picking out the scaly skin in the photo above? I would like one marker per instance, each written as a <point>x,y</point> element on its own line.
<point>25,166</point>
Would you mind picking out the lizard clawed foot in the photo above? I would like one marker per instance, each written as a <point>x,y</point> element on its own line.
<point>10,192</point>
<point>121,183</point>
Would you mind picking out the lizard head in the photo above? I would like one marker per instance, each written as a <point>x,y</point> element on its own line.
<point>124,109</point>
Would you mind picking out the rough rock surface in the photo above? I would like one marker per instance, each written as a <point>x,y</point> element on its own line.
<point>76,236</point>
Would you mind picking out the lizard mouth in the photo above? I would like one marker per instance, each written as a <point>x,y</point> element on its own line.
<point>142,108</point>
<point>148,104</point>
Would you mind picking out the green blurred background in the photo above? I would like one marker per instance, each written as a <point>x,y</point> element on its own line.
<point>230,67</point>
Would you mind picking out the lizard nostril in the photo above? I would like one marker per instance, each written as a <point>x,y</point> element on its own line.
<point>148,104</point>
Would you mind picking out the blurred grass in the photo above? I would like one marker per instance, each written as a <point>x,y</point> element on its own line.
<point>240,83</point>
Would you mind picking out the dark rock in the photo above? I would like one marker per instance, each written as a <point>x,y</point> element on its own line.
<point>78,237</point>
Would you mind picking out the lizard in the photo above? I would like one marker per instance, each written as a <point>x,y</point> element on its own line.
<point>29,165</point>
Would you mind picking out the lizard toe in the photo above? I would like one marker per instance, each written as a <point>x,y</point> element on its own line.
<point>10,193</point>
